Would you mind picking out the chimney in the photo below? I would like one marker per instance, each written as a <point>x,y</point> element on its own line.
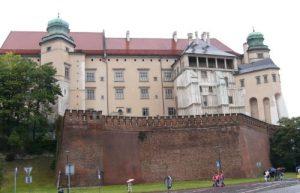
<point>175,36</point>
<point>207,38</point>
<point>196,36</point>
<point>190,37</point>
<point>203,36</point>
<point>127,36</point>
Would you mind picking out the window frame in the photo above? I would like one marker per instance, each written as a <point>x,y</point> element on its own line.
<point>90,94</point>
<point>145,112</point>
<point>168,91</point>
<point>119,95</point>
<point>167,75</point>
<point>90,76</point>
<point>143,76</point>
<point>144,95</point>
<point>119,76</point>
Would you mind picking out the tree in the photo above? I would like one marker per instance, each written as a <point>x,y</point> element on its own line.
<point>285,143</point>
<point>1,173</point>
<point>27,93</point>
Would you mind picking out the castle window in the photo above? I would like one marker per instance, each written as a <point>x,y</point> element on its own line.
<point>210,89</point>
<point>226,81</point>
<point>230,99</point>
<point>90,93</point>
<point>155,78</point>
<point>257,79</point>
<point>204,74</point>
<point>211,63</point>
<point>67,72</point>
<point>143,75</point>
<point>260,55</point>
<point>101,78</point>
<point>265,78</point>
<point>145,111</point>
<point>200,87</point>
<point>49,49</point>
<point>67,49</point>
<point>204,99</point>
<point>171,111</point>
<point>119,93</point>
<point>242,82</point>
<point>192,61</point>
<point>202,62</point>
<point>167,76</point>
<point>168,93</point>
<point>144,93</point>
<point>274,77</point>
<point>119,75</point>
<point>90,76</point>
<point>229,63</point>
<point>128,110</point>
<point>221,63</point>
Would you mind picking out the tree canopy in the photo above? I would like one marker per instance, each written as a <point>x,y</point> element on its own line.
<point>285,144</point>
<point>27,93</point>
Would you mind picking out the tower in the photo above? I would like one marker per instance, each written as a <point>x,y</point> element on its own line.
<point>259,77</point>
<point>55,48</point>
<point>256,50</point>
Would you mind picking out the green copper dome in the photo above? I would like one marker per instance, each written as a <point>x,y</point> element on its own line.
<point>58,29</point>
<point>58,25</point>
<point>255,40</point>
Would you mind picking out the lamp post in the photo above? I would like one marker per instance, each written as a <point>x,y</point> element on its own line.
<point>292,141</point>
<point>15,179</point>
<point>68,171</point>
<point>218,162</point>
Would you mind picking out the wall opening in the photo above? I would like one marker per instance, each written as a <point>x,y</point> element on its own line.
<point>267,110</point>
<point>254,108</point>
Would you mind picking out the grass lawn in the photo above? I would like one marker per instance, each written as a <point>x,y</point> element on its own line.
<point>44,180</point>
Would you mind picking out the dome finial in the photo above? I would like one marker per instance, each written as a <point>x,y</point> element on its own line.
<point>58,15</point>
<point>253,28</point>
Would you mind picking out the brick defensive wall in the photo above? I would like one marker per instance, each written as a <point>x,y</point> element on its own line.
<point>149,148</point>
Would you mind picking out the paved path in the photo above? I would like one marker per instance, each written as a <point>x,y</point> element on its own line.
<point>286,186</point>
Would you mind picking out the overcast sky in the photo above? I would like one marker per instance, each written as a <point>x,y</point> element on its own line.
<point>230,21</point>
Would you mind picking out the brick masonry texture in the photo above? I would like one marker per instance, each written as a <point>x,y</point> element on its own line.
<point>149,148</point>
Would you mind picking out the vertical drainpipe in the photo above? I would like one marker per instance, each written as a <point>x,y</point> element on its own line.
<point>162,88</point>
<point>106,69</point>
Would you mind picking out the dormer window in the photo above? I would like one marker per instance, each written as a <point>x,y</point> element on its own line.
<point>260,55</point>
<point>49,49</point>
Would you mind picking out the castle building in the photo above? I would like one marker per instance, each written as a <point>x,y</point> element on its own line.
<point>155,76</point>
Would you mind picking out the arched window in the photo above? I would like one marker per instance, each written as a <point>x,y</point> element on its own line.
<point>226,80</point>
<point>254,107</point>
<point>267,110</point>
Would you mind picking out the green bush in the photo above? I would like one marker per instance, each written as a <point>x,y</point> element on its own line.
<point>40,146</point>
<point>53,164</point>
<point>10,157</point>
<point>1,173</point>
<point>4,146</point>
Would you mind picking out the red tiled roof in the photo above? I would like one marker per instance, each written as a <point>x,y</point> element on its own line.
<point>22,42</point>
<point>145,46</point>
